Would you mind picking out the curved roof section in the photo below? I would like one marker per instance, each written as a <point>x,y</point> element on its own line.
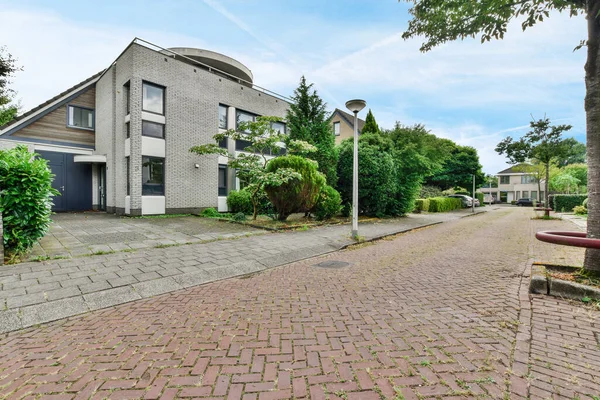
<point>215,60</point>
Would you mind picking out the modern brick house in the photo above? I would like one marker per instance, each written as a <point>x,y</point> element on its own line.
<point>119,141</point>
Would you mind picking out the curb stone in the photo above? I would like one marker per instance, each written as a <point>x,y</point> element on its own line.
<point>542,283</point>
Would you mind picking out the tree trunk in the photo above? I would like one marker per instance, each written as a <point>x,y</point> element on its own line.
<point>592,110</point>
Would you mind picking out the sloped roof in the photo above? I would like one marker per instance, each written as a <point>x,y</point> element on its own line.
<point>40,107</point>
<point>515,169</point>
<point>349,118</point>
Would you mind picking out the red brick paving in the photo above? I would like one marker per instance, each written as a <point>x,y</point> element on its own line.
<point>431,314</point>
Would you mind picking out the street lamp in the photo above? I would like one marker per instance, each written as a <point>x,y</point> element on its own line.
<point>355,106</point>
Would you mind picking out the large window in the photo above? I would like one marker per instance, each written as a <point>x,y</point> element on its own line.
<point>222,116</point>
<point>126,94</point>
<point>504,180</point>
<point>533,195</point>
<point>153,129</point>
<point>336,128</point>
<point>128,175</point>
<point>153,176</point>
<point>153,98</point>
<point>240,145</point>
<point>528,179</point>
<point>222,180</point>
<point>243,116</point>
<point>279,127</point>
<point>525,194</point>
<point>80,117</point>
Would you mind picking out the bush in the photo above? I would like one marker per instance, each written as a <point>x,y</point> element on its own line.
<point>239,217</point>
<point>428,191</point>
<point>240,202</point>
<point>210,213</point>
<point>443,204</point>
<point>580,210</point>
<point>329,203</point>
<point>376,171</point>
<point>25,199</point>
<point>585,203</point>
<point>297,195</point>
<point>480,197</point>
<point>421,205</point>
<point>566,202</point>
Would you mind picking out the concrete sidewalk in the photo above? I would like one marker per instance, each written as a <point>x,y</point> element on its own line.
<point>37,292</point>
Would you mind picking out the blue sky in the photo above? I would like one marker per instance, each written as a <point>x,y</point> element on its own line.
<point>471,93</point>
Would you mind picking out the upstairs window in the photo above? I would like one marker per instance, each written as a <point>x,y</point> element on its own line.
<point>126,94</point>
<point>222,116</point>
<point>80,117</point>
<point>336,128</point>
<point>279,127</point>
<point>153,129</point>
<point>243,116</point>
<point>505,180</point>
<point>240,144</point>
<point>222,180</point>
<point>153,98</point>
<point>528,179</point>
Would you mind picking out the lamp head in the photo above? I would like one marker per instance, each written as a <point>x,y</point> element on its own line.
<point>356,105</point>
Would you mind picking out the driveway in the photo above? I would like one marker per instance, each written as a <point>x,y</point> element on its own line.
<point>439,312</point>
<point>76,234</point>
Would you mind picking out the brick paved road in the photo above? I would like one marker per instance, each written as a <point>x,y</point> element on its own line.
<point>432,313</point>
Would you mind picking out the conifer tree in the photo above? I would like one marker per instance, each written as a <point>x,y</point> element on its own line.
<point>308,120</point>
<point>370,124</point>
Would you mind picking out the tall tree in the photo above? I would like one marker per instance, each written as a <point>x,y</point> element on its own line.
<point>575,153</point>
<point>370,124</point>
<point>440,21</point>
<point>544,143</point>
<point>458,170</point>
<point>8,66</point>
<point>307,120</point>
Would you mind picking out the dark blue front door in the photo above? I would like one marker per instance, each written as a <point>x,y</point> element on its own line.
<point>72,180</point>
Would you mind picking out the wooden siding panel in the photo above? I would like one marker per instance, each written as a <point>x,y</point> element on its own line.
<point>53,126</point>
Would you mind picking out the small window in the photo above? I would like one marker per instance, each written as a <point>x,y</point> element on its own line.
<point>223,143</point>
<point>153,129</point>
<point>126,94</point>
<point>80,117</point>
<point>505,180</point>
<point>128,175</point>
<point>222,180</point>
<point>279,127</point>
<point>128,130</point>
<point>525,179</point>
<point>336,128</point>
<point>525,194</point>
<point>243,116</point>
<point>153,98</point>
<point>153,176</point>
<point>533,195</point>
<point>222,116</point>
<point>542,198</point>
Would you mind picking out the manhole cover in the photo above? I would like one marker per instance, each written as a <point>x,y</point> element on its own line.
<point>332,264</point>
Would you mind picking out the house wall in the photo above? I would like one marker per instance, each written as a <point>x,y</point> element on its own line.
<point>515,188</point>
<point>346,131</point>
<point>53,126</point>
<point>192,99</point>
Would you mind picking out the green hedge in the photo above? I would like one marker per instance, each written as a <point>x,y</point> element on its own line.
<point>421,205</point>
<point>443,204</point>
<point>25,199</point>
<point>566,202</point>
<point>480,197</point>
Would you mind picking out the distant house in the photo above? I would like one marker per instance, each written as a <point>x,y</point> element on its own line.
<point>513,184</point>
<point>343,125</point>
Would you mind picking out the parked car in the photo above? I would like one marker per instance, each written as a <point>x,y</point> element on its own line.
<point>466,200</point>
<point>476,201</point>
<point>524,202</point>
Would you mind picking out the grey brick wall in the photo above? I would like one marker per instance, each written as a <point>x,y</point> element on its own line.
<point>192,99</point>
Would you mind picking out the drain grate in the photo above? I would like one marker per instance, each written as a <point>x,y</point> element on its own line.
<point>332,264</point>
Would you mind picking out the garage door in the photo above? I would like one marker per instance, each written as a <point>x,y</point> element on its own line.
<point>72,180</point>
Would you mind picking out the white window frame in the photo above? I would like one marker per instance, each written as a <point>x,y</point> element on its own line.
<point>70,124</point>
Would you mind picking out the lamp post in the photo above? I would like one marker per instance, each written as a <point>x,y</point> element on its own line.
<point>474,196</point>
<point>355,106</point>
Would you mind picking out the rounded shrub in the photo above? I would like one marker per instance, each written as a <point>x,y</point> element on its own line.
<point>329,203</point>
<point>239,217</point>
<point>240,201</point>
<point>297,195</point>
<point>210,213</point>
<point>25,199</point>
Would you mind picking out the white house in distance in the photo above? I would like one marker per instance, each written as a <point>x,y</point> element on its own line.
<point>514,184</point>
<point>119,141</point>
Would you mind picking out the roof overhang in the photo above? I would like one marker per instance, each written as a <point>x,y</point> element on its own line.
<point>97,158</point>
